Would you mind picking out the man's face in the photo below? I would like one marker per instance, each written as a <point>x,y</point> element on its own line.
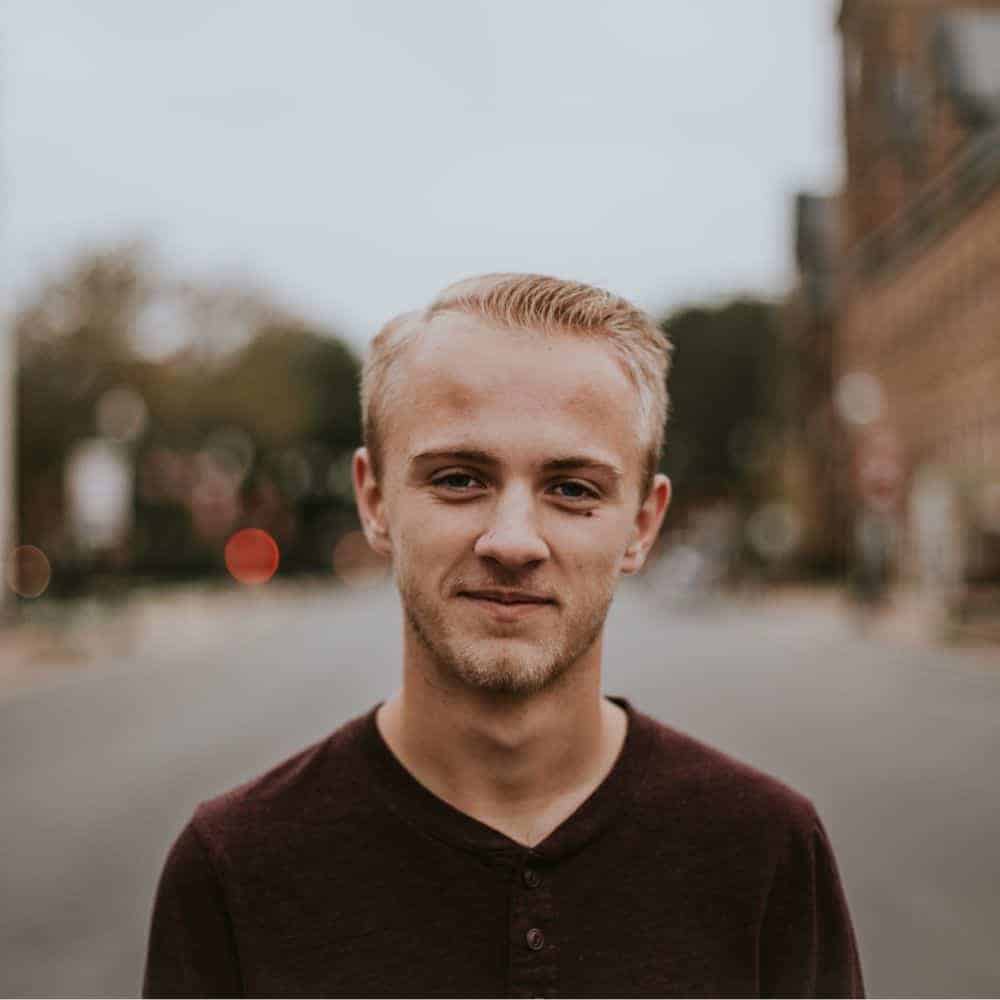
<point>511,469</point>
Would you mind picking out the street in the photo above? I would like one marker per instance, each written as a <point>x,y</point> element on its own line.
<point>897,747</point>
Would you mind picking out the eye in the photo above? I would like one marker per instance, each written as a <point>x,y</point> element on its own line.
<point>577,491</point>
<point>458,481</point>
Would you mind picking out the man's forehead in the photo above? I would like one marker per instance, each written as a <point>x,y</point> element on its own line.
<point>459,357</point>
<point>452,335</point>
<point>513,397</point>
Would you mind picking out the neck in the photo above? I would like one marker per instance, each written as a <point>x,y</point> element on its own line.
<point>522,764</point>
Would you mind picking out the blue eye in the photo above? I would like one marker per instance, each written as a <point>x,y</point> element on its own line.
<point>462,482</point>
<point>448,480</point>
<point>585,492</point>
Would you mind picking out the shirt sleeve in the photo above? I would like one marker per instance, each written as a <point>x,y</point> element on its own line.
<point>807,946</point>
<point>191,950</point>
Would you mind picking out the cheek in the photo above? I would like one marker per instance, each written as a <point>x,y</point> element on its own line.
<point>427,534</point>
<point>590,546</point>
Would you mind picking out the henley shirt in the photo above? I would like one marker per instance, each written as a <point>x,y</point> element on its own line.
<point>685,873</point>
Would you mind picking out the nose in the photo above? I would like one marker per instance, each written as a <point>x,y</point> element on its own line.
<point>512,538</point>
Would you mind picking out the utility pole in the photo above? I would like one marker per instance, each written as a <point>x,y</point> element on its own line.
<point>7,411</point>
<point>8,362</point>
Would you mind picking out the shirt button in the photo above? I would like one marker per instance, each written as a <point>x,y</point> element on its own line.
<point>535,939</point>
<point>531,878</point>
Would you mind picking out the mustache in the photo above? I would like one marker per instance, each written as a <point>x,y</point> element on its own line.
<point>501,584</point>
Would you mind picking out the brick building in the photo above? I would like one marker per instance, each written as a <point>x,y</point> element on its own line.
<point>904,336</point>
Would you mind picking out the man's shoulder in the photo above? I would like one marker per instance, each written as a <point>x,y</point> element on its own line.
<point>317,787</point>
<point>687,779</point>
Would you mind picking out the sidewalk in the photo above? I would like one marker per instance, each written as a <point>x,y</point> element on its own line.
<point>906,618</point>
<point>63,640</point>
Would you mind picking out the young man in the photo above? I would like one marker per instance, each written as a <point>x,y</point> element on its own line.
<point>498,827</point>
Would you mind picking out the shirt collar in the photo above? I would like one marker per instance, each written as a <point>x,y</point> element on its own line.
<point>418,806</point>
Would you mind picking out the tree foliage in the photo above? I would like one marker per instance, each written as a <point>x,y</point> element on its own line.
<point>238,368</point>
<point>724,434</point>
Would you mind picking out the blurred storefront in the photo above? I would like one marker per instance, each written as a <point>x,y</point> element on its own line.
<point>816,477</point>
<point>897,310</point>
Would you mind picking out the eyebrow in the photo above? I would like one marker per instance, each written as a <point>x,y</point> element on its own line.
<point>477,457</point>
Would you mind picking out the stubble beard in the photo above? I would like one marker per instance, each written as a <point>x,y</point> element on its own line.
<point>511,665</point>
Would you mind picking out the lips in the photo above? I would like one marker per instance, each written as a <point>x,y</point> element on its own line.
<point>507,597</point>
<point>506,608</point>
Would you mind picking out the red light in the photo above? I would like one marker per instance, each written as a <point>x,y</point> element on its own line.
<point>28,571</point>
<point>252,556</point>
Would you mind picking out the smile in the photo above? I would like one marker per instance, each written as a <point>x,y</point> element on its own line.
<point>505,609</point>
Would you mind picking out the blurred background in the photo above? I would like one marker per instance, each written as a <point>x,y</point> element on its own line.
<point>210,209</point>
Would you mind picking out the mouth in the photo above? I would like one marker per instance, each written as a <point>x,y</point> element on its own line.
<point>506,597</point>
<point>507,607</point>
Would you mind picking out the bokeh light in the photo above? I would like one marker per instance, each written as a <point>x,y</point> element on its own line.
<point>121,414</point>
<point>99,487</point>
<point>678,569</point>
<point>296,474</point>
<point>774,530</point>
<point>859,398</point>
<point>252,556</point>
<point>231,449</point>
<point>213,501</point>
<point>28,571</point>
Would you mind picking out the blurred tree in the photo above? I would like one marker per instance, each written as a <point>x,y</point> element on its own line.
<point>231,410</point>
<point>724,436</point>
<point>73,343</point>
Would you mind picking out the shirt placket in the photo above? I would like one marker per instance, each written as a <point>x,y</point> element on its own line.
<point>532,930</point>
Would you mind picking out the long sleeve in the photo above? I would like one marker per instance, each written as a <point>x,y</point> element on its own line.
<point>808,947</point>
<point>191,950</point>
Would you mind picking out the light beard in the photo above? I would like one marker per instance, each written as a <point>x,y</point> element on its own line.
<point>509,666</point>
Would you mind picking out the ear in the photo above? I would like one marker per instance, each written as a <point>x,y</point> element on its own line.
<point>648,519</point>
<point>371,503</point>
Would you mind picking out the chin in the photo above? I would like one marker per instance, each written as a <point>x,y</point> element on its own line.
<point>507,667</point>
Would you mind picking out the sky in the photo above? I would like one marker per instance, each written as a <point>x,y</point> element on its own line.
<point>354,158</point>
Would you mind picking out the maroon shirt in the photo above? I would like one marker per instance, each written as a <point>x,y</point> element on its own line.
<point>686,873</point>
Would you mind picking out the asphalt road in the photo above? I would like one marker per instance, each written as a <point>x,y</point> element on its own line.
<point>898,748</point>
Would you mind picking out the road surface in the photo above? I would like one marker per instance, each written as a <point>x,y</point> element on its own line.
<point>898,749</point>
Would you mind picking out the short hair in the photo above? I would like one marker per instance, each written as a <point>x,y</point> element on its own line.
<point>535,303</point>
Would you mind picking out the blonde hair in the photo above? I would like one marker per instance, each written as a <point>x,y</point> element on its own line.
<point>537,303</point>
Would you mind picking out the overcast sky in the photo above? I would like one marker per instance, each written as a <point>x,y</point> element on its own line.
<point>355,157</point>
